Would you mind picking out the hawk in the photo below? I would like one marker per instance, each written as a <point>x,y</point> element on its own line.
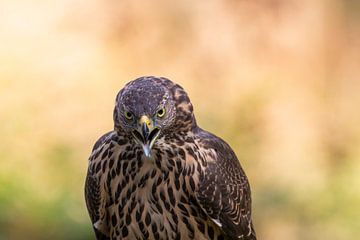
<point>158,175</point>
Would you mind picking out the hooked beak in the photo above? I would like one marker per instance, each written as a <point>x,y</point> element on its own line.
<point>146,134</point>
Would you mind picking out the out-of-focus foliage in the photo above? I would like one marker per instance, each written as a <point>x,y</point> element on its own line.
<point>278,79</point>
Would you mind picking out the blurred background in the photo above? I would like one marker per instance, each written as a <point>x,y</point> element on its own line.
<point>277,79</point>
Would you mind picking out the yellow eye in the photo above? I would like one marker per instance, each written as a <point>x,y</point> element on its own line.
<point>161,113</point>
<point>128,115</point>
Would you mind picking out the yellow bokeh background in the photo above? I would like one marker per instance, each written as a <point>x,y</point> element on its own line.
<point>278,80</point>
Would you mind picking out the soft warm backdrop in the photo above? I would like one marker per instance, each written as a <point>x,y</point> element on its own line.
<point>277,79</point>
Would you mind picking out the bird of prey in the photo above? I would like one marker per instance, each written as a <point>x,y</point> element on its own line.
<point>158,175</point>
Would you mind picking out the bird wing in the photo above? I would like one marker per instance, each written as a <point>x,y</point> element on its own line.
<point>95,199</point>
<point>224,191</point>
<point>93,203</point>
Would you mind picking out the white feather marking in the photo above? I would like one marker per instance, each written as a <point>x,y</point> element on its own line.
<point>217,222</point>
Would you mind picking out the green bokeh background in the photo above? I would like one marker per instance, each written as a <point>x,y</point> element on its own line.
<point>278,80</point>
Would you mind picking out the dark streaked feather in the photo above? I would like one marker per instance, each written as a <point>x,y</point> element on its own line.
<point>93,193</point>
<point>92,196</point>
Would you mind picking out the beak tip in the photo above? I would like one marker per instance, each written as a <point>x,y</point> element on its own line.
<point>147,150</point>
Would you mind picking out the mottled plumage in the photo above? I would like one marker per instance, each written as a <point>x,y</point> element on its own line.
<point>160,176</point>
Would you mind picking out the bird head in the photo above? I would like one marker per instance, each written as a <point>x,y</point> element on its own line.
<point>150,107</point>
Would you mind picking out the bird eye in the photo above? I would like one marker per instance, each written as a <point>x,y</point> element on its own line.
<point>161,113</point>
<point>128,115</point>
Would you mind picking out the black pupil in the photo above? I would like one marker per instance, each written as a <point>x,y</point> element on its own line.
<point>128,115</point>
<point>161,112</point>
